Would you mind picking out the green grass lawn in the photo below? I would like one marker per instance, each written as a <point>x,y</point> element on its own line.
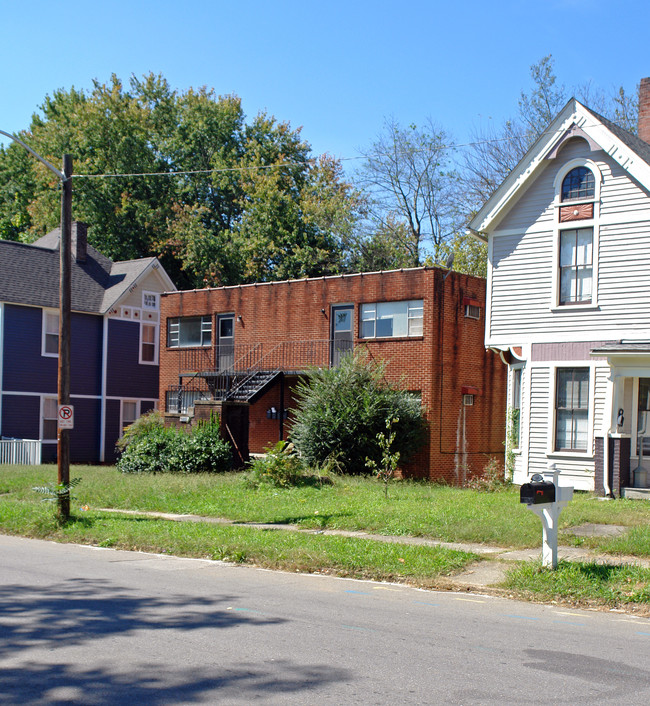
<point>349,503</point>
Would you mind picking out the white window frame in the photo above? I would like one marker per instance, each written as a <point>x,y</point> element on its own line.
<point>552,414</point>
<point>45,332</point>
<point>147,305</point>
<point>593,223</point>
<point>156,338</point>
<point>372,308</point>
<point>55,402</point>
<point>137,413</point>
<point>170,337</point>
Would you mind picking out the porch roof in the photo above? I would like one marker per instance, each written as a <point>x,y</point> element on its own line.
<point>623,348</point>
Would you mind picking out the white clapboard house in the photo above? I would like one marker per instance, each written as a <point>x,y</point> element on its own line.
<point>568,301</point>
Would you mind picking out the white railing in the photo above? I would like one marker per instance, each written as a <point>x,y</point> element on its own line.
<point>25,452</point>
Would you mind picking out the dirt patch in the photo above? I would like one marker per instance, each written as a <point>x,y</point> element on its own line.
<point>592,530</point>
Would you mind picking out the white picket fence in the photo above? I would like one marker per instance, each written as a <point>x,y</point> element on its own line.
<point>25,452</point>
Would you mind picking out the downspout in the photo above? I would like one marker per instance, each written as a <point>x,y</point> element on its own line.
<point>102,404</point>
<point>612,398</point>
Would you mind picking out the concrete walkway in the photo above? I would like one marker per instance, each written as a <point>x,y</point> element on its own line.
<point>487,572</point>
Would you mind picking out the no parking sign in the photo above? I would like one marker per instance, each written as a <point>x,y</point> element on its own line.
<point>65,416</point>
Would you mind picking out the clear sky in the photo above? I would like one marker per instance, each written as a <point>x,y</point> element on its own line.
<point>336,68</point>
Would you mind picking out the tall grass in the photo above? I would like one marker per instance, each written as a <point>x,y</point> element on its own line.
<point>350,503</point>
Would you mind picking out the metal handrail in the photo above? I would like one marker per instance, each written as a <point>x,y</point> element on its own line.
<point>294,356</point>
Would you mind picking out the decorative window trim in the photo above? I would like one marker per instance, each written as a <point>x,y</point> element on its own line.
<point>47,335</point>
<point>142,343</point>
<point>591,220</point>
<point>150,301</point>
<point>414,319</point>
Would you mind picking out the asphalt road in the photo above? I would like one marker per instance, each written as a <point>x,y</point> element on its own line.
<point>95,626</point>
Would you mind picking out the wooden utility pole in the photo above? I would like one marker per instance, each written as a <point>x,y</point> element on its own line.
<point>65,296</point>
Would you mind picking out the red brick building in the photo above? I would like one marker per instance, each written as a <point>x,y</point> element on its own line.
<point>246,346</point>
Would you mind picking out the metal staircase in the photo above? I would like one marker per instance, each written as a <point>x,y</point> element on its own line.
<point>254,371</point>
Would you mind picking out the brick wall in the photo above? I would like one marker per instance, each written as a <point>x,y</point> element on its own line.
<point>449,356</point>
<point>643,128</point>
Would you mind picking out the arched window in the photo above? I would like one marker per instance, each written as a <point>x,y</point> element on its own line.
<point>579,183</point>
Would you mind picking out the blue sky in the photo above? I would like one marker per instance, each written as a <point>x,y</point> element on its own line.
<point>335,68</point>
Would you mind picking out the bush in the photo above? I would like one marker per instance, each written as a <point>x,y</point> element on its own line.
<point>203,450</point>
<point>342,412</point>
<point>149,451</point>
<point>492,480</point>
<point>154,449</point>
<point>141,427</point>
<point>279,467</point>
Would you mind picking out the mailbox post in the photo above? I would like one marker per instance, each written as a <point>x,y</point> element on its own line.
<point>546,499</point>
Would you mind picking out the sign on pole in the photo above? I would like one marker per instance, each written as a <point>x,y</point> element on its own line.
<point>65,417</point>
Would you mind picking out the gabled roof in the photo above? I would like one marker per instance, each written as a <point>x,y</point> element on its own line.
<point>632,153</point>
<point>29,274</point>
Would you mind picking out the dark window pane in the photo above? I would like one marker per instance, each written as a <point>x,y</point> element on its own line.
<point>579,183</point>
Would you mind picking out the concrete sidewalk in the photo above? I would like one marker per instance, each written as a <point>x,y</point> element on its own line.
<point>486,573</point>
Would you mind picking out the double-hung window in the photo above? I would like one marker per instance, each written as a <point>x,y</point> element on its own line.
<point>572,409</point>
<point>189,331</point>
<point>577,195</point>
<point>149,343</point>
<point>130,412</point>
<point>50,340</point>
<point>49,418</point>
<point>392,319</point>
<point>576,265</point>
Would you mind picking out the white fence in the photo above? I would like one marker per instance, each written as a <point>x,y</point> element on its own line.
<point>25,452</point>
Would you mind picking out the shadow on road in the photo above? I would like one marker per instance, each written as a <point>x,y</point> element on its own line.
<point>83,611</point>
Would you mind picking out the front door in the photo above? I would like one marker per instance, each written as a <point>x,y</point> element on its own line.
<point>342,333</point>
<point>225,341</point>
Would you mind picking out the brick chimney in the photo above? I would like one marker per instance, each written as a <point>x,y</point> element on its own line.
<point>79,244</point>
<point>643,127</point>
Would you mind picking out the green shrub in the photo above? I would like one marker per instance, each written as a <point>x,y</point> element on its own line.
<point>141,427</point>
<point>279,467</point>
<point>152,451</point>
<point>204,451</point>
<point>342,412</point>
<point>155,449</point>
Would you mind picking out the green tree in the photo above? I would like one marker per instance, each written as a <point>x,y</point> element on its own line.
<point>251,203</point>
<point>342,413</point>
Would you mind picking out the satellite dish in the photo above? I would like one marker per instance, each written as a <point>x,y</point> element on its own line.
<point>448,264</point>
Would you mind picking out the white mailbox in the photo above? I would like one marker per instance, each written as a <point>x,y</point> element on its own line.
<point>548,512</point>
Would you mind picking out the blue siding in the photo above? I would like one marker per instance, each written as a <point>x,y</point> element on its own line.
<point>86,354</point>
<point>84,438</point>
<point>21,416</point>
<point>25,369</point>
<point>21,419</point>
<point>113,431</point>
<point>126,377</point>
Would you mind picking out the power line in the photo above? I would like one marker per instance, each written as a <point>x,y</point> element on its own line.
<point>280,165</point>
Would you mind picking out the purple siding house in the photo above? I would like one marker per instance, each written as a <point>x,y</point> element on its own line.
<point>114,344</point>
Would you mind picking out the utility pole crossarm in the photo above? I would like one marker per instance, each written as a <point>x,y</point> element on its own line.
<point>44,161</point>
